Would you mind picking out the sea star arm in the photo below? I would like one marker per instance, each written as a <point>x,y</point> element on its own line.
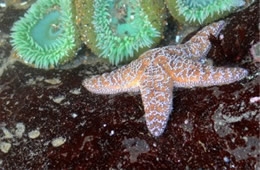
<point>156,91</point>
<point>194,74</point>
<point>124,79</point>
<point>199,45</point>
<point>157,71</point>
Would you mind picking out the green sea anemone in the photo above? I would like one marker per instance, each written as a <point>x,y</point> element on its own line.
<point>201,11</point>
<point>119,29</point>
<point>46,36</point>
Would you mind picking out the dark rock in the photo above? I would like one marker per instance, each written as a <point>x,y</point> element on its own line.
<point>210,128</point>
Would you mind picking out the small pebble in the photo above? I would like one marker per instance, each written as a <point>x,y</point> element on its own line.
<point>255,51</point>
<point>20,129</point>
<point>254,99</point>
<point>5,147</point>
<point>221,36</point>
<point>34,134</point>
<point>226,159</point>
<point>53,81</point>
<point>75,91</point>
<point>58,141</point>
<point>112,133</point>
<point>177,39</point>
<point>58,99</point>
<point>7,133</point>
<point>74,115</point>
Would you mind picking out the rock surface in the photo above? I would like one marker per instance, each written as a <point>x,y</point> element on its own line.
<point>210,128</point>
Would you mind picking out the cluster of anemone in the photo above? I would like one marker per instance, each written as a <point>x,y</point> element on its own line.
<point>118,30</point>
<point>46,36</point>
<point>201,11</point>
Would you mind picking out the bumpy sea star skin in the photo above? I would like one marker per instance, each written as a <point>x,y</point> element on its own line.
<point>157,71</point>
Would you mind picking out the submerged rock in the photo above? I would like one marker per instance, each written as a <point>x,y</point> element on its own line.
<point>210,128</point>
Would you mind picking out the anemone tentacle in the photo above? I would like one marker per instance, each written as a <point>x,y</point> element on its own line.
<point>201,11</point>
<point>119,29</point>
<point>46,36</point>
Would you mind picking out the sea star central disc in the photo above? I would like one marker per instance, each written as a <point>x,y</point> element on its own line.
<point>158,71</point>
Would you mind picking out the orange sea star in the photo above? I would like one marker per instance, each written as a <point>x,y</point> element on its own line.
<point>158,70</point>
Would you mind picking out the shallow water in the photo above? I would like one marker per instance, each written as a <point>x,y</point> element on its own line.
<point>48,120</point>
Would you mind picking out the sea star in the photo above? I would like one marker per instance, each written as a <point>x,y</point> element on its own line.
<point>158,70</point>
